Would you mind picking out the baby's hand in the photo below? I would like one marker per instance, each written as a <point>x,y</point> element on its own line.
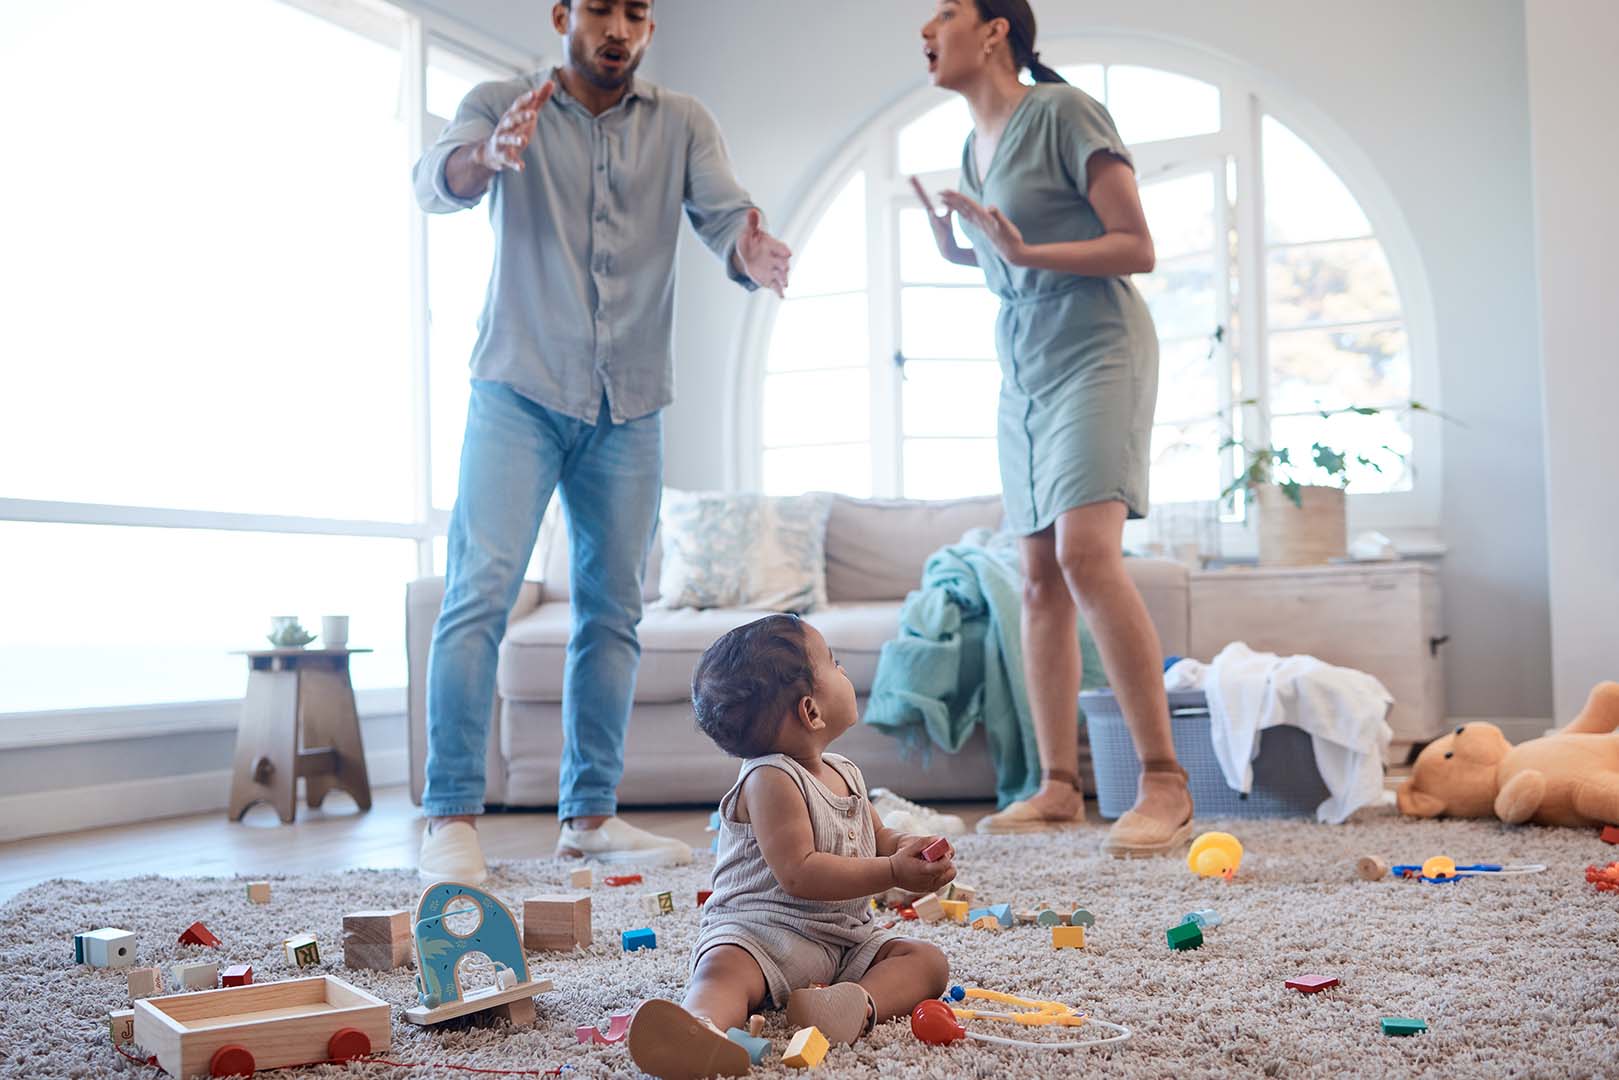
<point>915,873</point>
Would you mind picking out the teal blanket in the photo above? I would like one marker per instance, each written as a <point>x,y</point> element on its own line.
<point>958,662</point>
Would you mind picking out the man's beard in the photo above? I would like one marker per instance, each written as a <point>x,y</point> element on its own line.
<point>594,75</point>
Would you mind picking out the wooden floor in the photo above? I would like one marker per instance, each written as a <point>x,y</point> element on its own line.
<point>335,837</point>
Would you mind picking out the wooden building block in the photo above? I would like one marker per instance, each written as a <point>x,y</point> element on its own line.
<point>756,1025</point>
<point>302,951</point>
<point>1081,917</point>
<point>986,922</point>
<point>197,975</point>
<point>1403,1025</point>
<point>703,895</point>
<point>954,910</point>
<point>145,982</point>
<point>556,923</point>
<point>658,903</point>
<point>582,878</point>
<point>121,1026</point>
<point>1185,936</point>
<point>236,975</point>
<point>639,939</point>
<point>1311,984</point>
<point>1027,918</point>
<point>1067,937</point>
<point>108,947</point>
<point>806,1049</point>
<point>258,892</point>
<point>1371,868</point>
<point>936,850</point>
<point>377,940</point>
<point>619,880</point>
<point>1610,834</point>
<point>928,908</point>
<point>1048,917</point>
<point>756,1047</point>
<point>198,934</point>
<point>957,891</point>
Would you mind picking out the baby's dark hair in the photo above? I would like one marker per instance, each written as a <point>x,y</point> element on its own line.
<point>748,682</point>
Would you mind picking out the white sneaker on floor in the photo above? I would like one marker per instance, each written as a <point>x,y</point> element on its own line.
<point>452,853</point>
<point>617,841</point>
<point>913,817</point>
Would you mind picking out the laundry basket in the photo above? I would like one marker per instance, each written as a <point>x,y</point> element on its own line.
<point>1286,782</point>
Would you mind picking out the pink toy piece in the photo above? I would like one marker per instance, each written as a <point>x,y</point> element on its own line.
<point>1312,984</point>
<point>617,1028</point>
<point>936,850</point>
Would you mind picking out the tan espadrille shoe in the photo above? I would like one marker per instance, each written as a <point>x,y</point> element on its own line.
<point>1138,836</point>
<point>1021,817</point>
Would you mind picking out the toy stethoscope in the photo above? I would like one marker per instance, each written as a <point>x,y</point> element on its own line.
<point>1439,870</point>
<point>934,1021</point>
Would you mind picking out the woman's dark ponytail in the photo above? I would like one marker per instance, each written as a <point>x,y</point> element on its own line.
<point>1020,17</point>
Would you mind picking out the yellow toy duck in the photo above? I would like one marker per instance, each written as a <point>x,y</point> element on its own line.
<point>1215,854</point>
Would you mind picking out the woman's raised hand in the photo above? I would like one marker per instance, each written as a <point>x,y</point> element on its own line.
<point>997,228</point>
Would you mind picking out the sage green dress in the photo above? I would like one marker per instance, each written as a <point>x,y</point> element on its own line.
<point>1079,355</point>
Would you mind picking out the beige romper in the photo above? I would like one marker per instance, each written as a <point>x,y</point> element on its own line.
<point>796,942</point>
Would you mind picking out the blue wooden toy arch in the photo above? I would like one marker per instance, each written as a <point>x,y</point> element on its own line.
<point>439,950</point>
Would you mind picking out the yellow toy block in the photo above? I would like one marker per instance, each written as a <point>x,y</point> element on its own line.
<point>955,910</point>
<point>1067,937</point>
<point>806,1050</point>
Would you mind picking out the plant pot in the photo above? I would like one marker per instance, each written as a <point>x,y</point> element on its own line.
<point>1305,535</point>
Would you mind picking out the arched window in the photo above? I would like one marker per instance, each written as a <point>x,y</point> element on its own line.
<point>1275,298</point>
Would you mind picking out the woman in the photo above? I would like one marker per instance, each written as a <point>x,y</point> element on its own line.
<point>1050,204</point>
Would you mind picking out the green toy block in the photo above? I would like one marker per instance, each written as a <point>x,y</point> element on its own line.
<point>1185,936</point>
<point>1403,1025</point>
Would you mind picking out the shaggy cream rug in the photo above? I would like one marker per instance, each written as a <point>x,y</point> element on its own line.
<point>1515,976</point>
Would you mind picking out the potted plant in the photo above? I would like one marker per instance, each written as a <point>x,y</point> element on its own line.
<point>1300,505</point>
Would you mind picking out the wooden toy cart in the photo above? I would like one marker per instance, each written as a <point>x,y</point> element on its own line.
<point>234,1031</point>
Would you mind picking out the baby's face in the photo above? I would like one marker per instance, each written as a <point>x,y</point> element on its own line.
<point>834,693</point>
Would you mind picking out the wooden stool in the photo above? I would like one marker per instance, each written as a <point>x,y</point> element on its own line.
<point>299,719</point>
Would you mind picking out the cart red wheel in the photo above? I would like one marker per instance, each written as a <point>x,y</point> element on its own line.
<point>348,1043</point>
<point>232,1059</point>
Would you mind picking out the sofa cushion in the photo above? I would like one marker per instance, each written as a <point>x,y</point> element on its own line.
<point>875,548</point>
<point>743,550</point>
<point>672,641</point>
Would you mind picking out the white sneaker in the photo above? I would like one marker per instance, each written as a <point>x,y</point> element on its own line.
<point>617,841</point>
<point>913,817</point>
<point>452,853</point>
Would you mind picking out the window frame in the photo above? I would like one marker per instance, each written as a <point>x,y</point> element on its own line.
<point>412,30</point>
<point>1411,517</point>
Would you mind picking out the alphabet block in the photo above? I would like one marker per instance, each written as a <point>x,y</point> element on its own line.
<point>302,951</point>
<point>258,892</point>
<point>145,982</point>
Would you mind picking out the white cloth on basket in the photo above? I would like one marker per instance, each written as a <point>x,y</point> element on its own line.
<point>1345,713</point>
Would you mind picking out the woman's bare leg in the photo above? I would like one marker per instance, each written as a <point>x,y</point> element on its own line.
<point>1051,671</point>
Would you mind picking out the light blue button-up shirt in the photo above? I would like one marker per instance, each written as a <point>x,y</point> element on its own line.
<point>581,298</point>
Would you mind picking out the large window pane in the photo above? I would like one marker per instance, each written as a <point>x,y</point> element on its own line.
<point>796,469</point>
<point>815,407</point>
<point>935,140</point>
<point>109,616</point>
<point>1304,199</point>
<point>1185,462</point>
<point>1188,383</point>
<point>834,256</point>
<point>919,260</point>
<point>1180,293</point>
<point>951,397</point>
<point>1381,438</point>
<point>1148,104</point>
<point>955,324</point>
<point>1347,281</point>
<point>950,468</point>
<point>820,332</point>
<point>206,319</point>
<point>1336,369</point>
<point>1180,214</point>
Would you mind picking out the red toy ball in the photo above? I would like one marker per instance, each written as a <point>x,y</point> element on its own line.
<point>934,1023</point>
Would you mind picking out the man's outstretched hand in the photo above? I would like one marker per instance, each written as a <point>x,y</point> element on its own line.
<point>504,148</point>
<point>762,257</point>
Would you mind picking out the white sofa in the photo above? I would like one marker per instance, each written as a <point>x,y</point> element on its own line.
<point>875,551</point>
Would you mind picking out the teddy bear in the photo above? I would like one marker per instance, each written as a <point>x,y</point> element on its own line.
<point>1570,777</point>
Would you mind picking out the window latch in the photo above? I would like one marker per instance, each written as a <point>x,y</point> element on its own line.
<point>899,362</point>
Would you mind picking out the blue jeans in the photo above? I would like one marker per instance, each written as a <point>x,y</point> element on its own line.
<point>611,476</point>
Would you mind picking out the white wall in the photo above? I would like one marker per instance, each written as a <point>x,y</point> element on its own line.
<point>1435,93</point>
<point>1574,99</point>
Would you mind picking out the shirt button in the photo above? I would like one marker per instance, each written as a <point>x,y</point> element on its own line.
<point>851,834</point>
<point>601,168</point>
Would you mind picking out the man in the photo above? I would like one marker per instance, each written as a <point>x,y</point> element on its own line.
<point>588,169</point>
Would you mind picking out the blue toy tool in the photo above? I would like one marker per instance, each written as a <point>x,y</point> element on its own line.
<point>1441,871</point>
<point>440,950</point>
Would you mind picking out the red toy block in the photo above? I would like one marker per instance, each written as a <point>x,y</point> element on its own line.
<point>198,934</point>
<point>907,912</point>
<point>1606,879</point>
<point>236,975</point>
<point>623,879</point>
<point>703,895</point>
<point>1312,984</point>
<point>1610,834</point>
<point>936,850</point>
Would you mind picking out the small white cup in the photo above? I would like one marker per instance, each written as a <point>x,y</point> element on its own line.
<point>334,631</point>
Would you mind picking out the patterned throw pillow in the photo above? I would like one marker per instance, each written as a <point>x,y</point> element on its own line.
<point>763,552</point>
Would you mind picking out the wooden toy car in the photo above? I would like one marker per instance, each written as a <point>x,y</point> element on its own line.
<point>240,1029</point>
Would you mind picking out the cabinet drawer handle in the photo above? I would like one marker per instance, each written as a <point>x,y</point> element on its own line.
<point>1435,642</point>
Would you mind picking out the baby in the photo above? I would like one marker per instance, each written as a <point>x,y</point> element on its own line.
<point>801,853</point>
